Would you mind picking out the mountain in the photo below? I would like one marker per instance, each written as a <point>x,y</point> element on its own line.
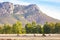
<point>10,13</point>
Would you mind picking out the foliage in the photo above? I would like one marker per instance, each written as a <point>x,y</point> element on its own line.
<point>30,28</point>
<point>46,28</point>
<point>7,29</point>
<point>33,28</point>
<point>17,28</point>
<point>57,28</point>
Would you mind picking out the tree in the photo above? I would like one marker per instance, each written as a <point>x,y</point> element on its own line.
<point>7,29</point>
<point>52,27</point>
<point>23,31</point>
<point>57,28</point>
<point>46,28</point>
<point>37,29</point>
<point>28,28</point>
<point>17,28</point>
<point>1,30</point>
<point>34,27</point>
<point>34,24</point>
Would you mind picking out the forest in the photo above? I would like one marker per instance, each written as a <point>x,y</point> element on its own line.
<point>30,28</point>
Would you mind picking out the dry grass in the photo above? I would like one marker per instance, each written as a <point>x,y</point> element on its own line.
<point>29,37</point>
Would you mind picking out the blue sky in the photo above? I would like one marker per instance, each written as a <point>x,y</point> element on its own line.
<point>49,7</point>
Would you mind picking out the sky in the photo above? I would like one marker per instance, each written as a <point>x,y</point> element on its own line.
<point>49,7</point>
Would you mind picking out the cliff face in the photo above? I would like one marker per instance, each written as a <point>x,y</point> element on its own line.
<point>10,13</point>
<point>6,8</point>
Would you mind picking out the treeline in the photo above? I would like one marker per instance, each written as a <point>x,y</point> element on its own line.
<point>30,28</point>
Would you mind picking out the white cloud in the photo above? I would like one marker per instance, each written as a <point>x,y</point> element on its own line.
<point>51,0</point>
<point>1,0</point>
<point>16,2</point>
<point>51,11</point>
<point>19,2</point>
